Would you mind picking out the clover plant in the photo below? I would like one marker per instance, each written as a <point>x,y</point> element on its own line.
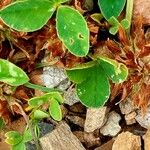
<point>31,15</point>
<point>54,99</point>
<point>92,80</point>
<point>15,76</point>
<point>18,140</point>
<point>111,9</point>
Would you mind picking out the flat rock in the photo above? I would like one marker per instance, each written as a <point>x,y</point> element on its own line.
<point>70,97</point>
<point>127,141</point>
<point>61,138</point>
<point>142,7</point>
<point>112,127</point>
<point>143,120</point>
<point>95,118</point>
<point>55,77</point>
<point>146,138</point>
<point>126,106</point>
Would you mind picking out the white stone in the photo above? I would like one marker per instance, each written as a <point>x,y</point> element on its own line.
<point>95,118</point>
<point>55,77</point>
<point>112,127</point>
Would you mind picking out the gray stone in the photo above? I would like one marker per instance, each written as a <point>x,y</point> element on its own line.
<point>143,120</point>
<point>55,77</point>
<point>95,118</point>
<point>112,127</point>
<point>45,128</point>
<point>70,97</point>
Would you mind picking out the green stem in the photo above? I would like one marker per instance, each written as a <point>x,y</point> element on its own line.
<point>42,88</point>
<point>129,9</point>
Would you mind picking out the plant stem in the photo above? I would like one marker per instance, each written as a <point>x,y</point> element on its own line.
<point>129,9</point>
<point>39,87</point>
<point>29,125</point>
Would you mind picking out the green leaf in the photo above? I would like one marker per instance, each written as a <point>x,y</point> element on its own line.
<point>60,1</point>
<point>111,8</point>
<point>113,30</point>
<point>125,23</point>
<point>11,74</point>
<point>13,137</point>
<point>20,146</point>
<point>39,114</point>
<point>72,30</point>
<point>40,100</point>
<point>55,110</point>
<point>27,136</point>
<point>28,15</point>
<point>78,73</point>
<point>95,90</point>
<point>113,21</point>
<point>1,124</point>
<point>96,17</point>
<point>117,72</point>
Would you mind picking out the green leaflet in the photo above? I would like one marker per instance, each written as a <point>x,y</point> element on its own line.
<point>18,140</point>
<point>20,146</point>
<point>80,72</point>
<point>55,110</point>
<point>95,90</point>
<point>115,24</point>
<point>40,100</point>
<point>13,137</point>
<point>39,114</point>
<point>60,1</point>
<point>117,72</point>
<point>111,8</point>
<point>11,74</point>
<point>28,15</point>
<point>72,30</point>
<point>27,136</point>
<point>97,17</point>
<point>93,87</point>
